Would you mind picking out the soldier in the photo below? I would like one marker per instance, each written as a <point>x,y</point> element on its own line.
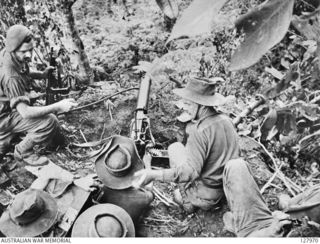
<point>17,115</point>
<point>212,142</point>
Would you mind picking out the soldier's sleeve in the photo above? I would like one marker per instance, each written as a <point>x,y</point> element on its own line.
<point>15,92</point>
<point>196,149</point>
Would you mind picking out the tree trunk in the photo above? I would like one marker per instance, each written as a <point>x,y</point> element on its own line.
<point>86,73</point>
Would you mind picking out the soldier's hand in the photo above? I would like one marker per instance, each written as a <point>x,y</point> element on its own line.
<point>47,71</point>
<point>281,220</point>
<point>66,105</point>
<point>88,183</point>
<point>142,177</point>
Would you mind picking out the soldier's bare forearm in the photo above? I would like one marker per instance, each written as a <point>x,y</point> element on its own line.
<point>29,112</point>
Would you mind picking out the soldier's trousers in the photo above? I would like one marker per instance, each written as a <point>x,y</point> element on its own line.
<point>195,193</point>
<point>37,131</point>
<point>249,211</point>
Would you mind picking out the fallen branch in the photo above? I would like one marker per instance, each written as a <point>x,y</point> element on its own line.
<point>85,139</point>
<point>168,217</point>
<point>100,100</point>
<point>271,179</point>
<point>156,191</point>
<point>103,130</point>
<point>154,226</point>
<point>315,100</point>
<point>73,155</point>
<point>86,156</point>
<point>284,180</point>
<point>276,186</point>
<point>91,144</point>
<point>156,220</point>
<point>297,188</point>
<point>280,175</point>
<point>161,199</point>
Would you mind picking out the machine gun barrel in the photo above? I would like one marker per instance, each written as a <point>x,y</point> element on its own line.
<point>140,125</point>
<point>143,96</point>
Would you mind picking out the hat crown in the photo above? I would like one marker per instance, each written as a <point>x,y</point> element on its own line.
<point>15,36</point>
<point>118,160</point>
<point>104,220</point>
<point>27,207</point>
<point>201,91</point>
<point>201,87</point>
<point>107,225</point>
<point>118,174</point>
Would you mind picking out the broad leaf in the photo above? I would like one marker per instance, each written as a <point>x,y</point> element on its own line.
<point>263,27</point>
<point>197,18</point>
<point>169,8</point>
<point>308,25</point>
<point>282,121</point>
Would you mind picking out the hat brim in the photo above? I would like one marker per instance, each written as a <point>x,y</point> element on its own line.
<point>213,100</point>
<point>118,182</point>
<point>81,228</point>
<point>37,227</point>
<point>57,187</point>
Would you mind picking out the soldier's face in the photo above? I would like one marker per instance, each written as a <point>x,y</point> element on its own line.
<point>190,110</point>
<point>24,52</point>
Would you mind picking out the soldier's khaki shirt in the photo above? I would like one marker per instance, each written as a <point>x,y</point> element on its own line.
<point>212,142</point>
<point>15,83</point>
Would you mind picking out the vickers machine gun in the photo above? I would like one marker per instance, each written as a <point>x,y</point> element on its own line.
<point>55,85</point>
<point>140,130</point>
<point>140,125</point>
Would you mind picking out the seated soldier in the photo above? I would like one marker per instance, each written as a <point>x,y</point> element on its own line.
<point>199,164</point>
<point>17,115</point>
<point>115,167</point>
